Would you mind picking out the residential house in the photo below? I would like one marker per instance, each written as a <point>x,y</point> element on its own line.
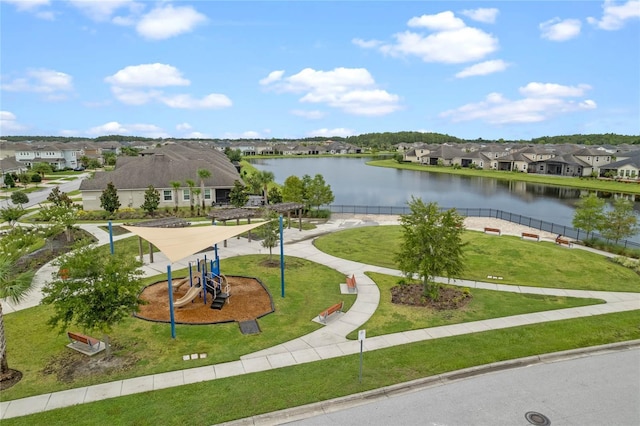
<point>158,168</point>
<point>628,168</point>
<point>59,156</point>
<point>561,165</point>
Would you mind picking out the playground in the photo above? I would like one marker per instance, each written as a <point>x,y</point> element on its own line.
<point>249,300</point>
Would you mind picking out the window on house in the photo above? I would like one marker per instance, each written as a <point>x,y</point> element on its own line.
<point>166,195</point>
<point>207,193</point>
<point>541,167</point>
<point>186,195</point>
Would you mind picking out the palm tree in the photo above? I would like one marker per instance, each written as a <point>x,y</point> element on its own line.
<point>191,184</point>
<point>265,178</point>
<point>176,185</point>
<point>15,288</point>
<point>203,174</point>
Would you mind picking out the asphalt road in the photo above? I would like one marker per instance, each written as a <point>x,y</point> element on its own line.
<point>599,389</point>
<point>40,196</point>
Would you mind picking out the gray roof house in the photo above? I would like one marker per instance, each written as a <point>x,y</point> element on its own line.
<point>628,169</point>
<point>159,167</point>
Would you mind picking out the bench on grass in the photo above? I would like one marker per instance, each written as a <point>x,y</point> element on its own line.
<point>351,284</point>
<point>530,235</point>
<point>330,310</point>
<point>564,241</point>
<point>90,343</point>
<point>493,230</point>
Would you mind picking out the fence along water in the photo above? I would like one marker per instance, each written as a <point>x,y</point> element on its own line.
<point>554,228</point>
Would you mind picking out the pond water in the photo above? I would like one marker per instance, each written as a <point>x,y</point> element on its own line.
<point>355,183</point>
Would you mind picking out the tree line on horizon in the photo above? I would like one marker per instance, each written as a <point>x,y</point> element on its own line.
<point>380,141</point>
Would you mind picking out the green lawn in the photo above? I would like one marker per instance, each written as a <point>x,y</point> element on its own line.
<point>232,398</point>
<point>518,262</point>
<point>309,288</point>
<point>393,318</point>
<point>586,183</point>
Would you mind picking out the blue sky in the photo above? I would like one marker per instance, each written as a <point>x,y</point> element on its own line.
<point>295,69</point>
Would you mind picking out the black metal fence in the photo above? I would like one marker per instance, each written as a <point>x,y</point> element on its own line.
<point>554,228</point>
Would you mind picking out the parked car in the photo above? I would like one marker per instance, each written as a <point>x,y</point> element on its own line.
<point>79,169</point>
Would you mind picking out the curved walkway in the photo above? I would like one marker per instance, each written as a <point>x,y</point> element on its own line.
<point>324,343</point>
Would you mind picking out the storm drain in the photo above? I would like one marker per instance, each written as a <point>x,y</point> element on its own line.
<point>537,419</point>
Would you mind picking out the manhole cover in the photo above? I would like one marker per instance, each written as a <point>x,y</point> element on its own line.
<point>537,419</point>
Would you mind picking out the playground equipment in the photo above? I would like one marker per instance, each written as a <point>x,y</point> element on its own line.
<point>206,279</point>
<point>192,293</point>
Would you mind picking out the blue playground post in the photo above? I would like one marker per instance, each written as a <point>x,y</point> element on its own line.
<point>173,320</point>
<point>111,237</point>
<point>281,258</point>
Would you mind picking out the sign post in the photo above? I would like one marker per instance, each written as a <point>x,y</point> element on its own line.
<point>362,334</point>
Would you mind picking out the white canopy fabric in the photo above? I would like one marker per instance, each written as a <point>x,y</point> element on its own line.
<point>178,243</point>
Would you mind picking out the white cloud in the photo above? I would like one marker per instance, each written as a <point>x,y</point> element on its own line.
<point>183,126</point>
<point>486,15</point>
<point>272,77</point>
<point>148,75</point>
<point>541,102</point>
<point>311,115</point>
<point>9,123</point>
<point>552,90</point>
<point>560,30</point>
<point>101,11</point>
<point>138,85</point>
<point>168,21</point>
<point>352,90</point>
<point>211,101</point>
<point>197,135</point>
<point>366,44</point>
<point>614,16</point>
<point>115,128</point>
<point>483,68</point>
<point>340,131</point>
<point>53,84</point>
<point>443,21</point>
<point>451,41</point>
<point>27,5</point>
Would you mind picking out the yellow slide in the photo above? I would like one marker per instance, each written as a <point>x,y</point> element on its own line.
<point>191,294</point>
<point>183,281</point>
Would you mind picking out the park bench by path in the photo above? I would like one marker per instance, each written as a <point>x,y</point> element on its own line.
<point>85,344</point>
<point>492,230</point>
<point>561,241</point>
<point>530,235</point>
<point>330,310</point>
<point>350,286</point>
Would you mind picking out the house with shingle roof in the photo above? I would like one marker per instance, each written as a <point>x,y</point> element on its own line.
<point>159,167</point>
<point>628,168</point>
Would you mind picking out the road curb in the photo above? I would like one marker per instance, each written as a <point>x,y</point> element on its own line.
<point>337,404</point>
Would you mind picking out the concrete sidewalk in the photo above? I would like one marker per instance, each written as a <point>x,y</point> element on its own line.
<point>324,343</point>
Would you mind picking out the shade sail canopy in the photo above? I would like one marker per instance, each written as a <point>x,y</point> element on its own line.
<point>178,243</point>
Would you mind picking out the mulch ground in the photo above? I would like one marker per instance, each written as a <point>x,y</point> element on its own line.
<point>249,300</point>
<point>413,295</point>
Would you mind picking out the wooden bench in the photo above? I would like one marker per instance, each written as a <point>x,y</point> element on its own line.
<point>91,343</point>
<point>332,309</point>
<point>351,284</point>
<point>564,241</point>
<point>494,230</point>
<point>530,235</point>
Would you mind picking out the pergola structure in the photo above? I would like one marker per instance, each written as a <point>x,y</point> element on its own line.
<point>223,215</point>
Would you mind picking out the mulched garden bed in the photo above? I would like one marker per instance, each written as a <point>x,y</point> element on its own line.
<point>413,295</point>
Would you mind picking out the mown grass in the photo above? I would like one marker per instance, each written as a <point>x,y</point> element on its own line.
<point>394,318</point>
<point>586,183</point>
<point>518,262</point>
<point>309,288</point>
<point>252,394</point>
